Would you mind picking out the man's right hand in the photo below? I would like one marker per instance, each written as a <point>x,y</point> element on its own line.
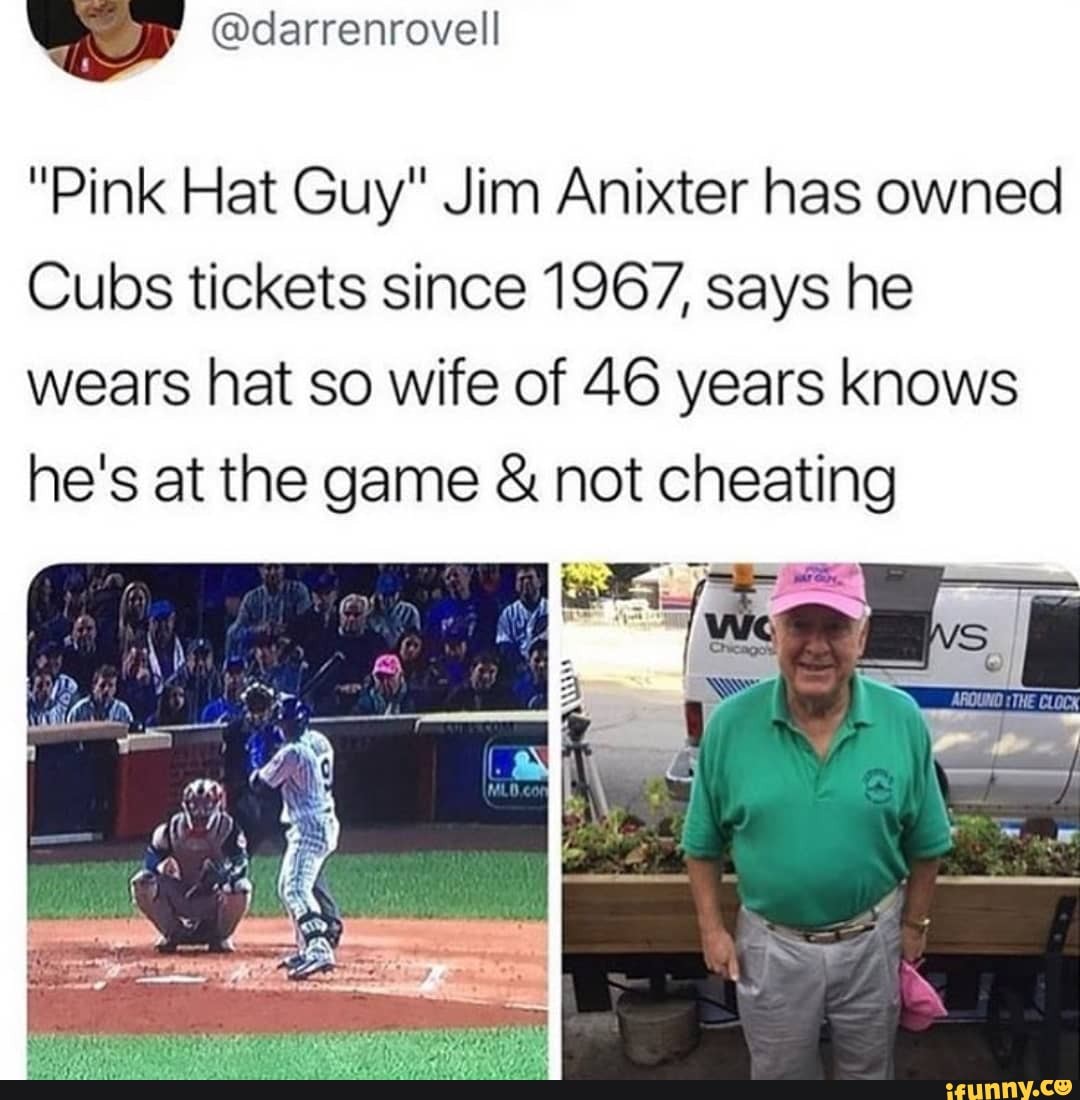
<point>719,950</point>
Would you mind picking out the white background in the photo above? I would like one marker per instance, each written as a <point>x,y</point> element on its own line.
<point>720,89</point>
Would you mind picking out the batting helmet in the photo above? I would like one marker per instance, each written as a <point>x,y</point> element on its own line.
<point>202,803</point>
<point>295,715</point>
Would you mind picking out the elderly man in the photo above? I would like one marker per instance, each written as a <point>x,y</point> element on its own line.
<point>115,45</point>
<point>358,645</point>
<point>388,693</point>
<point>822,783</point>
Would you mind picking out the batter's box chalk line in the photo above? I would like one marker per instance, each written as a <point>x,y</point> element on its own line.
<point>172,979</point>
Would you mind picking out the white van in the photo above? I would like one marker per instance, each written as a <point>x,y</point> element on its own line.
<point>991,653</point>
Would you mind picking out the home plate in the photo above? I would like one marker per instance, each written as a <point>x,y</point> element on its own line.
<point>433,979</point>
<point>171,979</point>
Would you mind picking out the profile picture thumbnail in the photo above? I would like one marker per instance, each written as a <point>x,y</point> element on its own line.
<point>104,40</point>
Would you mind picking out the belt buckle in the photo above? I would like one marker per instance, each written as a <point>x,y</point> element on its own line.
<point>821,937</point>
<point>837,935</point>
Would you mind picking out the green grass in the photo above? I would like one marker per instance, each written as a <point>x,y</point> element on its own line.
<point>494,1054</point>
<point>494,885</point>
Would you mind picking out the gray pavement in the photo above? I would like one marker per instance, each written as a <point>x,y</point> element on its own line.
<point>634,734</point>
<point>592,1050</point>
<point>631,680</point>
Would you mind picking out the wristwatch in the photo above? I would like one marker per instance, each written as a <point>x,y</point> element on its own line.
<point>920,925</point>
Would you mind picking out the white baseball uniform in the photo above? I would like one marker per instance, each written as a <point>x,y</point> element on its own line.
<point>304,770</point>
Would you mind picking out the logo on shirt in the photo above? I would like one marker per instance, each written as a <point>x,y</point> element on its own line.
<point>878,786</point>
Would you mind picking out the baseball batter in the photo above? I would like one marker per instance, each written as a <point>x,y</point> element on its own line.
<point>194,886</point>
<point>303,769</point>
<point>249,743</point>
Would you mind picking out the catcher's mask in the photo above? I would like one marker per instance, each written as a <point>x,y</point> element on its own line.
<point>202,803</point>
<point>260,706</point>
<point>295,715</point>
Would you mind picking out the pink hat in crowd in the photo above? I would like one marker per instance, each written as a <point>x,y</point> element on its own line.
<point>387,665</point>
<point>920,1004</point>
<point>839,586</point>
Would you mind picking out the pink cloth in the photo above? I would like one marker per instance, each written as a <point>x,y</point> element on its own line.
<point>920,1004</point>
<point>836,585</point>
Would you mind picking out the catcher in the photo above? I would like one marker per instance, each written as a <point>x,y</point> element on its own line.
<point>193,886</point>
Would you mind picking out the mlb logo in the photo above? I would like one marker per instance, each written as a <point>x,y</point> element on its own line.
<point>85,66</point>
<point>520,763</point>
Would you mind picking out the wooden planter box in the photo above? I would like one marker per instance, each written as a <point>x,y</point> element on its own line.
<point>654,914</point>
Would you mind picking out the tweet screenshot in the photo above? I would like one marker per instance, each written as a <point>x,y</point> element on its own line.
<point>496,325</point>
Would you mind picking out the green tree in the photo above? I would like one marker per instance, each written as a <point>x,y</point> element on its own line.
<point>585,578</point>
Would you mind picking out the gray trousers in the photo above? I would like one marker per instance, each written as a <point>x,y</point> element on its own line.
<point>161,900</point>
<point>788,987</point>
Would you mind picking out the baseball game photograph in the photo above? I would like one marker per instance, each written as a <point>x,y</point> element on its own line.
<point>287,822</point>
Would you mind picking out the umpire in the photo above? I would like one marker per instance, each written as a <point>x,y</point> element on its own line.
<point>249,742</point>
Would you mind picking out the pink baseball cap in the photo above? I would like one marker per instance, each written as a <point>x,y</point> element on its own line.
<point>387,665</point>
<point>839,586</point>
<point>920,1004</point>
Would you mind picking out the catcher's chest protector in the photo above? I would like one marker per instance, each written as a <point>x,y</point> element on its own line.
<point>190,850</point>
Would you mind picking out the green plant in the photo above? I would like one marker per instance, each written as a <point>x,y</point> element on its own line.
<point>981,848</point>
<point>585,578</point>
<point>625,844</point>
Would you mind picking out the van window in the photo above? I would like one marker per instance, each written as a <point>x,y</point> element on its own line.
<point>1053,644</point>
<point>897,638</point>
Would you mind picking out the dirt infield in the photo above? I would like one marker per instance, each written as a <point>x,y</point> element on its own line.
<point>102,976</point>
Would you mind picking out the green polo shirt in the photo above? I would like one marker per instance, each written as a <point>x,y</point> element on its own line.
<point>816,841</point>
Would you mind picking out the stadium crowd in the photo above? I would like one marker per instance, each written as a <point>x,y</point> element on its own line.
<point>169,645</point>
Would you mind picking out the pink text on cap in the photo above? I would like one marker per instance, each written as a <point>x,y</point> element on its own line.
<point>839,585</point>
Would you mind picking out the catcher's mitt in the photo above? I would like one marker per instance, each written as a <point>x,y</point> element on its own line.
<point>215,875</point>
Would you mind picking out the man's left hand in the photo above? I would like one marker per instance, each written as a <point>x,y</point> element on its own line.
<point>912,943</point>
